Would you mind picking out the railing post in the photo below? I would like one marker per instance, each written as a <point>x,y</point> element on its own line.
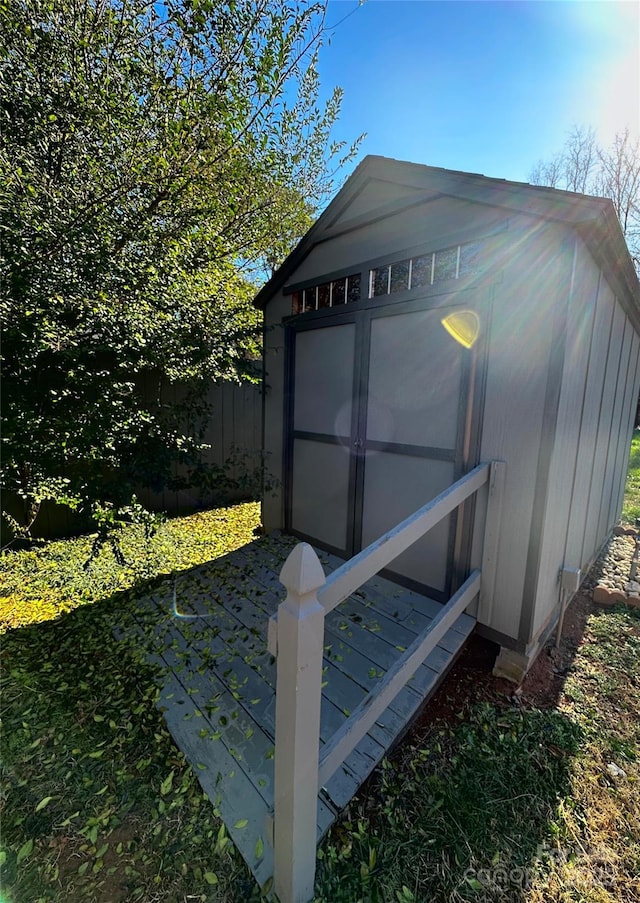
<point>300,641</point>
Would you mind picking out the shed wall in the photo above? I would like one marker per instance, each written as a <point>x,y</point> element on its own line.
<point>535,282</point>
<point>526,276</point>
<point>274,401</point>
<point>593,431</point>
<point>436,224</point>
<point>375,193</point>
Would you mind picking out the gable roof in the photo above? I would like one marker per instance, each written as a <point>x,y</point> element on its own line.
<point>593,218</point>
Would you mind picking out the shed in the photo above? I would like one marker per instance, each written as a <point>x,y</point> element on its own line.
<point>431,320</point>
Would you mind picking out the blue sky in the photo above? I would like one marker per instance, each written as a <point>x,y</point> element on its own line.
<point>487,87</point>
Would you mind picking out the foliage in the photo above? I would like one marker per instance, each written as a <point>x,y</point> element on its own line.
<point>631,503</point>
<point>614,172</point>
<point>98,804</point>
<point>153,158</point>
<point>451,805</point>
<point>44,582</point>
<point>512,803</point>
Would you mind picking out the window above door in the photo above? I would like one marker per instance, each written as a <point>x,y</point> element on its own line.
<point>421,271</point>
<point>344,290</point>
<point>425,270</point>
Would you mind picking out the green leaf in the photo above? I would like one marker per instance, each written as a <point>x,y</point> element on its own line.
<point>210,877</point>
<point>242,823</point>
<point>3,857</point>
<point>259,848</point>
<point>167,784</point>
<point>24,851</point>
<point>44,802</point>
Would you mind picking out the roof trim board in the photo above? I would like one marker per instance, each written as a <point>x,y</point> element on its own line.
<point>593,218</point>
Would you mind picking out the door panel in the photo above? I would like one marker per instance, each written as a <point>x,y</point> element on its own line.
<point>414,381</point>
<point>324,380</point>
<point>376,431</point>
<point>322,468</point>
<point>395,486</point>
<point>320,491</point>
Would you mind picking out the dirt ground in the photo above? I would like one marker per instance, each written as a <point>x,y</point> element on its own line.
<point>470,681</point>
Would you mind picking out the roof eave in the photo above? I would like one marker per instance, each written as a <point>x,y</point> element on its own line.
<point>606,243</point>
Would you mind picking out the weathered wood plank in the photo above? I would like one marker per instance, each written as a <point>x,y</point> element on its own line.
<point>211,647</point>
<point>221,719</point>
<point>395,678</point>
<point>230,781</point>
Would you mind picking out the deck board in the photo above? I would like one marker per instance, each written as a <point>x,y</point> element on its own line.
<point>207,635</point>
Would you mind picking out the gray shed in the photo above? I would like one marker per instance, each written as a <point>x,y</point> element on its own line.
<point>431,320</point>
<point>451,376</point>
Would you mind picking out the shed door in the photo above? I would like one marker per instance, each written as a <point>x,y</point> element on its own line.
<point>378,412</point>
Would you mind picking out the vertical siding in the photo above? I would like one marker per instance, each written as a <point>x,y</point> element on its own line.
<point>567,441</point>
<point>597,405</point>
<point>592,540</point>
<point>616,426</point>
<point>562,472</point>
<point>579,511</point>
<point>624,440</point>
<point>520,346</point>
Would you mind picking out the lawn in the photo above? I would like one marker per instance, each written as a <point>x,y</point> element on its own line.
<point>496,797</point>
<point>631,505</point>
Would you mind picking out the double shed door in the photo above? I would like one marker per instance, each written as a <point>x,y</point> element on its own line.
<point>378,406</point>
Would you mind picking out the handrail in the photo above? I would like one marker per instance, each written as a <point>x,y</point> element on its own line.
<point>350,576</point>
<point>296,638</point>
<point>349,734</point>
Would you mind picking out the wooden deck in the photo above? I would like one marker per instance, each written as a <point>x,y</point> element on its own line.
<point>209,637</point>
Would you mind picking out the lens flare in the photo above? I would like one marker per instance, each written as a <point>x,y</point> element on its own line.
<point>463,326</point>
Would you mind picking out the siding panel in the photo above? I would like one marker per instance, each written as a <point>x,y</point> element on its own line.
<point>633,387</point>
<point>588,425</point>
<point>561,487</point>
<point>592,540</point>
<point>615,428</point>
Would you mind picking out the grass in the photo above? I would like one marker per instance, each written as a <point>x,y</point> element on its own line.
<point>98,804</point>
<point>631,505</point>
<point>503,802</point>
<point>511,803</point>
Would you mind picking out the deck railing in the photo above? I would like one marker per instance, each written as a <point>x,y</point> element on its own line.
<point>296,638</point>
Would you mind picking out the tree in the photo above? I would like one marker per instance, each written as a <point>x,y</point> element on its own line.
<point>153,158</point>
<point>614,172</point>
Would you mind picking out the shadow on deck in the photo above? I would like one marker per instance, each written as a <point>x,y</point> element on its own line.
<point>209,638</point>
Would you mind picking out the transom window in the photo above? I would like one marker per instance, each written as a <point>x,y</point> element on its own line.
<point>399,276</point>
<point>428,269</point>
<point>345,290</point>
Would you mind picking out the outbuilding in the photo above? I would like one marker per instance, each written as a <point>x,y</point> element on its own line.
<point>431,320</point>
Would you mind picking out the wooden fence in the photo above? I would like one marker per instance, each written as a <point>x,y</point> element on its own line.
<point>296,638</point>
<point>234,433</point>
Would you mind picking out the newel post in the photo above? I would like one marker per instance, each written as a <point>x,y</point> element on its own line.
<point>300,641</point>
